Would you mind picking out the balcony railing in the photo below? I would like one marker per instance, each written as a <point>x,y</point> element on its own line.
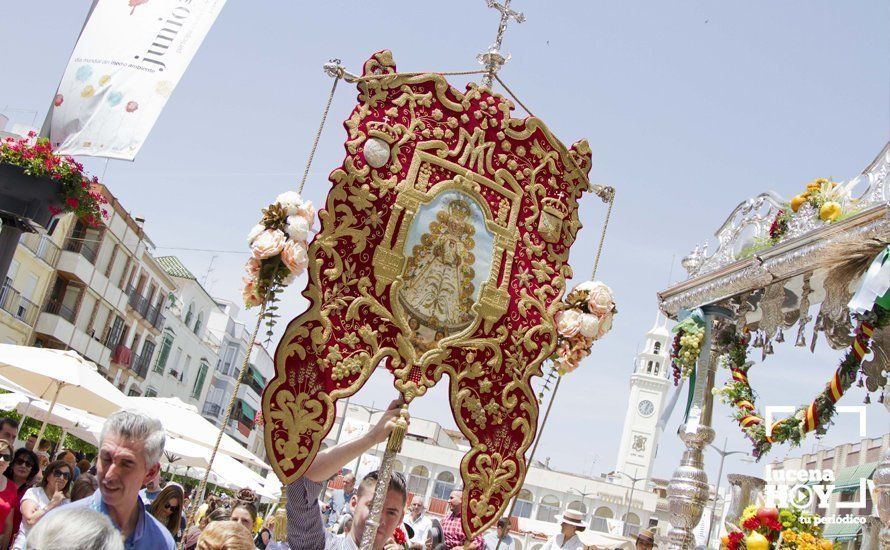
<point>42,246</point>
<point>155,317</point>
<point>12,302</point>
<point>212,409</point>
<point>140,364</point>
<point>143,307</point>
<point>56,307</point>
<point>85,249</point>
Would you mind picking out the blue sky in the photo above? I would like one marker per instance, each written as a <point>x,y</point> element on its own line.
<point>689,107</point>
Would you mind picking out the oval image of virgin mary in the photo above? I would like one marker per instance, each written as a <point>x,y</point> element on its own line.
<point>449,261</point>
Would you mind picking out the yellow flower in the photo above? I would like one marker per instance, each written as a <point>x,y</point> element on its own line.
<point>87,91</point>
<point>749,513</point>
<point>816,184</point>
<point>830,211</point>
<point>798,201</point>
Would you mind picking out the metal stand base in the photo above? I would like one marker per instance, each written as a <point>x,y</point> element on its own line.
<point>688,489</point>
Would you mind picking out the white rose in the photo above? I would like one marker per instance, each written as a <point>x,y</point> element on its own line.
<point>589,325</point>
<point>568,322</point>
<point>605,325</point>
<point>255,232</point>
<point>297,228</point>
<point>291,201</point>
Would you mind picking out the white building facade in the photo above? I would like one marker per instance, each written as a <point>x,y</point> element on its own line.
<point>188,352</point>
<point>106,297</point>
<point>234,346</point>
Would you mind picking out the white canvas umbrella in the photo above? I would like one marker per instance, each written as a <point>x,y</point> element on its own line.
<point>179,452</point>
<point>184,422</point>
<point>60,377</point>
<point>74,421</point>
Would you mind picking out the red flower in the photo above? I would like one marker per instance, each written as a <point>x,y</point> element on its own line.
<point>71,201</point>
<point>399,536</point>
<point>772,523</point>
<point>735,540</point>
<point>32,133</point>
<point>751,523</point>
<point>54,211</point>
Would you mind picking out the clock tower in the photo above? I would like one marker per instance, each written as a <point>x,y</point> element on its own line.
<point>648,390</point>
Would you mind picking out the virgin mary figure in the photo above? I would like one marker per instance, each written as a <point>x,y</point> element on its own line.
<point>438,285</point>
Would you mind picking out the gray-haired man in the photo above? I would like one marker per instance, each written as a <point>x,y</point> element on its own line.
<point>130,449</point>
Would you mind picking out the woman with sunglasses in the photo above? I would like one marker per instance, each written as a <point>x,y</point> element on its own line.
<point>22,471</point>
<point>8,495</point>
<point>38,501</point>
<point>167,508</point>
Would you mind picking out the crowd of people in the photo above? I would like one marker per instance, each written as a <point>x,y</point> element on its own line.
<point>114,500</point>
<point>118,499</point>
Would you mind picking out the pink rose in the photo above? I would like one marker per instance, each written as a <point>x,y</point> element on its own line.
<point>568,323</point>
<point>251,292</point>
<point>295,257</point>
<point>600,299</point>
<point>252,267</point>
<point>267,244</point>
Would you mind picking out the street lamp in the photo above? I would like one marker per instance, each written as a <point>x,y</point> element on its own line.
<point>583,494</point>
<point>723,454</point>
<point>633,485</point>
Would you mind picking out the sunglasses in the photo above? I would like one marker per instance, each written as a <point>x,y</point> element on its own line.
<point>62,473</point>
<point>6,457</point>
<point>19,461</point>
<point>171,507</point>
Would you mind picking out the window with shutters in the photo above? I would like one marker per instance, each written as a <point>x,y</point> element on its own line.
<point>166,344</point>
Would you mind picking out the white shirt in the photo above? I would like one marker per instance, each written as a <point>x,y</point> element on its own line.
<point>491,541</point>
<point>421,526</point>
<point>556,543</point>
<point>37,495</point>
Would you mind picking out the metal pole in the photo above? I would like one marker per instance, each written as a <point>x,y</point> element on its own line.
<point>384,474</point>
<point>723,454</point>
<point>49,411</point>
<point>633,485</point>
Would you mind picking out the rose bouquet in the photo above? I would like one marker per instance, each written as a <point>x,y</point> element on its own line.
<point>278,249</point>
<point>75,193</point>
<point>586,317</point>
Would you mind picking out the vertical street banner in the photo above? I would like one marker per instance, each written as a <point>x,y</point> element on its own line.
<point>127,61</point>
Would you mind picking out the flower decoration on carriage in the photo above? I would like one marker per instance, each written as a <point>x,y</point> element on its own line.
<point>776,529</point>
<point>278,251</point>
<point>689,335</point>
<point>586,317</point>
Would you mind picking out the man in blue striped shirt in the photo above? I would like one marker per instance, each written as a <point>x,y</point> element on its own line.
<point>130,449</point>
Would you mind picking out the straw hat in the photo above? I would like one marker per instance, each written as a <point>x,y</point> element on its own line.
<point>572,517</point>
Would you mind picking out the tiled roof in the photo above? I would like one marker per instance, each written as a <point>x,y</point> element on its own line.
<point>174,267</point>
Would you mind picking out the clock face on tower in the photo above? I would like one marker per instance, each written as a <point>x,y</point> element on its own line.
<point>646,407</point>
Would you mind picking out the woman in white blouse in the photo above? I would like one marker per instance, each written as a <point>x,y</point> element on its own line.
<point>38,501</point>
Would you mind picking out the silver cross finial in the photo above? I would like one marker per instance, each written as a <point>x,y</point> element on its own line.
<point>492,59</point>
